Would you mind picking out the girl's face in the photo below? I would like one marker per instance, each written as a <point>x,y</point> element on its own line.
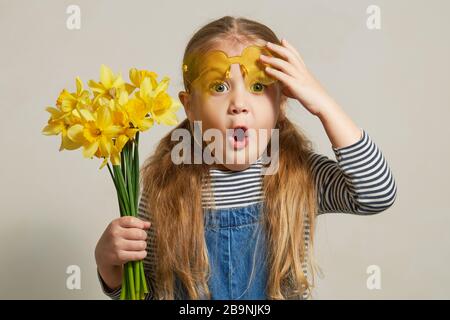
<point>229,103</point>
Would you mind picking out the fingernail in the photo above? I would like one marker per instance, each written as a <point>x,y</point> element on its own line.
<point>268,43</point>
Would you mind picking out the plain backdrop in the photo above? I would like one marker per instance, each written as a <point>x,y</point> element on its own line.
<point>393,82</point>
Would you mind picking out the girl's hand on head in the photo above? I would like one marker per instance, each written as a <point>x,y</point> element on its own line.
<point>296,80</point>
<point>123,240</point>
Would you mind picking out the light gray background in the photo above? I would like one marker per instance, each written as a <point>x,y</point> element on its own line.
<point>393,82</point>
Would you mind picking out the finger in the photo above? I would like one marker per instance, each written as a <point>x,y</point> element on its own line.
<point>133,234</point>
<point>132,222</point>
<point>280,64</point>
<point>293,49</point>
<point>147,224</point>
<point>284,53</point>
<point>125,256</point>
<point>133,245</point>
<point>277,74</point>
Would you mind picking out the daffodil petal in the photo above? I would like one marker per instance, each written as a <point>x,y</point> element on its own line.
<point>121,141</point>
<point>105,146</point>
<point>68,144</point>
<point>79,85</point>
<point>75,133</point>
<point>96,87</point>
<point>106,76</point>
<point>112,131</point>
<point>162,86</point>
<point>55,113</point>
<point>131,132</point>
<point>118,82</point>
<point>115,159</point>
<point>87,115</point>
<point>90,149</point>
<point>53,129</point>
<point>168,118</point>
<point>104,119</point>
<point>146,124</point>
<point>129,88</point>
<point>146,88</point>
<point>105,161</point>
<point>123,98</point>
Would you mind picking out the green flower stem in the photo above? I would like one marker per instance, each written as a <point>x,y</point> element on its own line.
<point>130,187</point>
<point>126,180</point>
<point>122,188</point>
<point>133,170</point>
<point>124,292</point>
<point>137,278</point>
<point>144,280</point>
<point>122,209</point>
<point>129,267</point>
<point>123,162</point>
<point>136,169</point>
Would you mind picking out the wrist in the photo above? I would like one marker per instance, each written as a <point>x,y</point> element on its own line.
<point>328,111</point>
<point>111,276</point>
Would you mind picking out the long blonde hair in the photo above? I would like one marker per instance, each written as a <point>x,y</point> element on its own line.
<point>175,205</point>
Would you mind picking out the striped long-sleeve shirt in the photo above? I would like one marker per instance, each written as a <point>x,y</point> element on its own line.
<point>359,182</point>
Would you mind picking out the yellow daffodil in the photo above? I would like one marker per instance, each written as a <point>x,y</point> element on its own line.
<point>164,109</point>
<point>122,118</point>
<point>96,134</point>
<point>59,123</point>
<point>55,123</point>
<point>114,156</point>
<point>137,112</point>
<point>70,102</point>
<point>137,76</point>
<point>109,84</point>
<point>161,106</point>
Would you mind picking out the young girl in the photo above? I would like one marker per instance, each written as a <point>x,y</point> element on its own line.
<point>225,230</point>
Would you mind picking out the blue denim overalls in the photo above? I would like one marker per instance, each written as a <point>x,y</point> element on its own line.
<point>236,249</point>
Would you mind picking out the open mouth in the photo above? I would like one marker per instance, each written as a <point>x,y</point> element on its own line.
<point>239,137</point>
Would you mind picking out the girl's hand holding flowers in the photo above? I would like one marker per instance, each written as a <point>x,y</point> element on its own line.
<point>124,240</point>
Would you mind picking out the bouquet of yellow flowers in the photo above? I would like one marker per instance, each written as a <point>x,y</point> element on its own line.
<point>106,122</point>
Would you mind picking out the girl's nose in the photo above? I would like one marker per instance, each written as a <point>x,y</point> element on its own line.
<point>238,94</point>
<point>238,99</point>
<point>238,109</point>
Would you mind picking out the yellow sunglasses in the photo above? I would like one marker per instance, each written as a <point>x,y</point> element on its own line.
<point>201,71</point>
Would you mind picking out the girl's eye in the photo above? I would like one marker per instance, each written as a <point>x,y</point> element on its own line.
<point>258,87</point>
<point>218,85</point>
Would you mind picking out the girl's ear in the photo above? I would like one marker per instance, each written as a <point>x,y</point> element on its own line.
<point>185,100</point>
